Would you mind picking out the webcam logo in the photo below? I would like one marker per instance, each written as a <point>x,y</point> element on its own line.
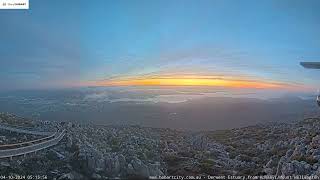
<point>14,4</point>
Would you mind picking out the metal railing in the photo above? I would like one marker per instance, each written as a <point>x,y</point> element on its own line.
<point>32,148</point>
<point>25,131</point>
<point>27,142</point>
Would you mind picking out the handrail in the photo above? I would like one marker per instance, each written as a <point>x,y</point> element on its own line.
<point>31,148</point>
<point>28,142</point>
<point>25,131</point>
<point>17,126</point>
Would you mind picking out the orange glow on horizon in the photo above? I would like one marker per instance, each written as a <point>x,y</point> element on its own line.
<point>191,81</point>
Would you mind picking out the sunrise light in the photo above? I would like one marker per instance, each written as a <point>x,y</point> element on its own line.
<point>191,81</point>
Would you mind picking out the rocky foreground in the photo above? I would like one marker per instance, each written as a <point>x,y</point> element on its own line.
<point>99,152</point>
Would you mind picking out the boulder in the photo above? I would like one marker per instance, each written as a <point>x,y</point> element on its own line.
<point>154,169</point>
<point>71,175</point>
<point>268,171</point>
<point>122,161</point>
<point>199,142</point>
<point>296,168</point>
<point>139,168</point>
<point>96,176</point>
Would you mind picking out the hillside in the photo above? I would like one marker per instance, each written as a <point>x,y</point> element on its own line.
<point>90,151</point>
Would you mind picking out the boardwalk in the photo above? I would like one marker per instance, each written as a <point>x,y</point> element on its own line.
<point>24,131</point>
<point>32,148</point>
<point>51,139</point>
<point>15,145</point>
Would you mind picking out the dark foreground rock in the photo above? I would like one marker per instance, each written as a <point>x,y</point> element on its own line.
<point>99,152</point>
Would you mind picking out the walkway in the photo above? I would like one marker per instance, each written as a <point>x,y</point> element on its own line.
<point>24,131</point>
<point>32,148</point>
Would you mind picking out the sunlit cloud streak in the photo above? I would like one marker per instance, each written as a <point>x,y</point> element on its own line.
<point>195,80</point>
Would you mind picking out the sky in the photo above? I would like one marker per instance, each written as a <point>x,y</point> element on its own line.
<point>243,44</point>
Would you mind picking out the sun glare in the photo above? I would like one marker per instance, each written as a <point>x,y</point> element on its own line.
<point>191,81</point>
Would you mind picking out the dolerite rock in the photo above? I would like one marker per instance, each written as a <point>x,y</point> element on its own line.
<point>300,150</point>
<point>272,162</point>
<point>122,161</point>
<point>173,147</point>
<point>282,161</point>
<point>4,163</point>
<point>316,166</point>
<point>130,169</point>
<point>317,172</point>
<point>108,160</point>
<point>69,142</point>
<point>268,171</point>
<point>95,161</point>
<point>112,165</point>
<point>154,169</point>
<point>296,168</point>
<point>289,153</point>
<point>316,158</point>
<point>217,150</point>
<point>315,154</point>
<point>268,168</point>
<point>54,155</point>
<point>316,141</point>
<point>200,142</point>
<point>139,168</point>
<point>72,175</point>
<point>66,176</point>
<point>130,152</point>
<point>116,166</point>
<point>165,145</point>
<point>96,176</point>
<point>100,165</point>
